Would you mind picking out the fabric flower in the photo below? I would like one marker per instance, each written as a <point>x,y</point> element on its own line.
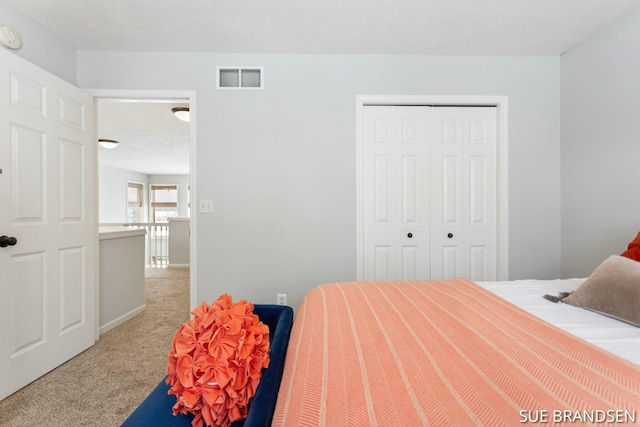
<point>216,362</point>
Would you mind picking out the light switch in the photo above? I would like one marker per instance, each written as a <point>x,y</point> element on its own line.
<point>206,206</point>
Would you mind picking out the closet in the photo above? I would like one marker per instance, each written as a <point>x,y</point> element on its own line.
<point>429,192</point>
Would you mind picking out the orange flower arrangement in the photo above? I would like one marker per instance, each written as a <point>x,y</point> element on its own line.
<point>216,362</point>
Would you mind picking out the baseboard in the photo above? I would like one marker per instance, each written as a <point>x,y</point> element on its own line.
<point>115,322</point>
<point>178,265</point>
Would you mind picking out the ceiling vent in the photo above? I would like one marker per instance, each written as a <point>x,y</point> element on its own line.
<point>240,77</point>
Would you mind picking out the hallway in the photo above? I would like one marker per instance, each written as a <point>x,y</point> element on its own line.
<point>104,384</point>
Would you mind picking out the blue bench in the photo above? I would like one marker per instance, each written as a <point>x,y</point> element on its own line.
<point>156,410</point>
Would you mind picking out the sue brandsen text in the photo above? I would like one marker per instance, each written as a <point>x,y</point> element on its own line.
<point>541,416</point>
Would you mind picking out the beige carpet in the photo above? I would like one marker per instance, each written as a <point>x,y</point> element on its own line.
<point>104,384</point>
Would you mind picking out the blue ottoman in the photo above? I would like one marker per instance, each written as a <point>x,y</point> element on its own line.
<point>156,410</point>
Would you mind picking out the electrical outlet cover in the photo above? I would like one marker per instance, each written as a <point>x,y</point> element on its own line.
<point>206,206</point>
<point>282,299</point>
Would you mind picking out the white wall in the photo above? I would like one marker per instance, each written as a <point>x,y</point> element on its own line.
<point>280,163</point>
<point>183,182</point>
<point>39,45</point>
<point>113,192</point>
<point>600,146</point>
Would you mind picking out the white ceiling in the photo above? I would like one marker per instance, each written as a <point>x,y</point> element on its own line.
<point>152,140</point>
<point>428,27</point>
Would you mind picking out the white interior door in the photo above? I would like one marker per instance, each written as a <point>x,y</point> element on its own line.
<point>396,192</point>
<point>48,204</point>
<point>429,193</point>
<point>464,186</point>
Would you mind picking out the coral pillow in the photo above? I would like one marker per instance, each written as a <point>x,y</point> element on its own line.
<point>633,250</point>
<point>216,361</point>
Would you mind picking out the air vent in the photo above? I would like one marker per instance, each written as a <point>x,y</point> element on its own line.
<point>240,77</point>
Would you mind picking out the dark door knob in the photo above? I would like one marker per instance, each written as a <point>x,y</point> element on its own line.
<point>7,241</point>
<point>410,235</point>
<point>450,235</point>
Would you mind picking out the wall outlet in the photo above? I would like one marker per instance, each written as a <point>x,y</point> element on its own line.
<point>282,299</point>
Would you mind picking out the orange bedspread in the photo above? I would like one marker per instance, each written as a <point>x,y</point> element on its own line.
<point>443,353</point>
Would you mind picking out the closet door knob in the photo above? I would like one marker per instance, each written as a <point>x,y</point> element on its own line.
<point>450,235</point>
<point>410,235</point>
<point>7,241</point>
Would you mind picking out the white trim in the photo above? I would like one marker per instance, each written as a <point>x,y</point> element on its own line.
<point>96,200</point>
<point>135,95</point>
<point>177,265</point>
<point>113,232</point>
<point>120,320</point>
<point>502,104</point>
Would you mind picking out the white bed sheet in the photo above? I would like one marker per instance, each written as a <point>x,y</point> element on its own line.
<point>610,334</point>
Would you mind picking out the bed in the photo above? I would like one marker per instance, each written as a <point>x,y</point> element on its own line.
<point>456,353</point>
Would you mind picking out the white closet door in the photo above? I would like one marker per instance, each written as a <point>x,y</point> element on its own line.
<point>463,199</point>
<point>429,193</point>
<point>396,193</point>
<point>48,204</point>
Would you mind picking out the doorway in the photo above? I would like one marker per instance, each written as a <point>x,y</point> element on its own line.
<point>179,162</point>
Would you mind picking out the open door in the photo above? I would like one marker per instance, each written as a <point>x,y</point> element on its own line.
<point>48,215</point>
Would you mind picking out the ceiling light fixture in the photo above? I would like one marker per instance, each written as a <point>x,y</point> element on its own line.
<point>182,113</point>
<point>108,143</point>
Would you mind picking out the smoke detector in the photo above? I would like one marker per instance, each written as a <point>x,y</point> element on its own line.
<point>10,37</point>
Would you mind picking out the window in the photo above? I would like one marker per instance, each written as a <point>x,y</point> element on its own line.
<point>164,202</point>
<point>135,212</point>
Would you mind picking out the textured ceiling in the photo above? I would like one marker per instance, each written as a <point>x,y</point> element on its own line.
<point>429,27</point>
<point>152,140</point>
